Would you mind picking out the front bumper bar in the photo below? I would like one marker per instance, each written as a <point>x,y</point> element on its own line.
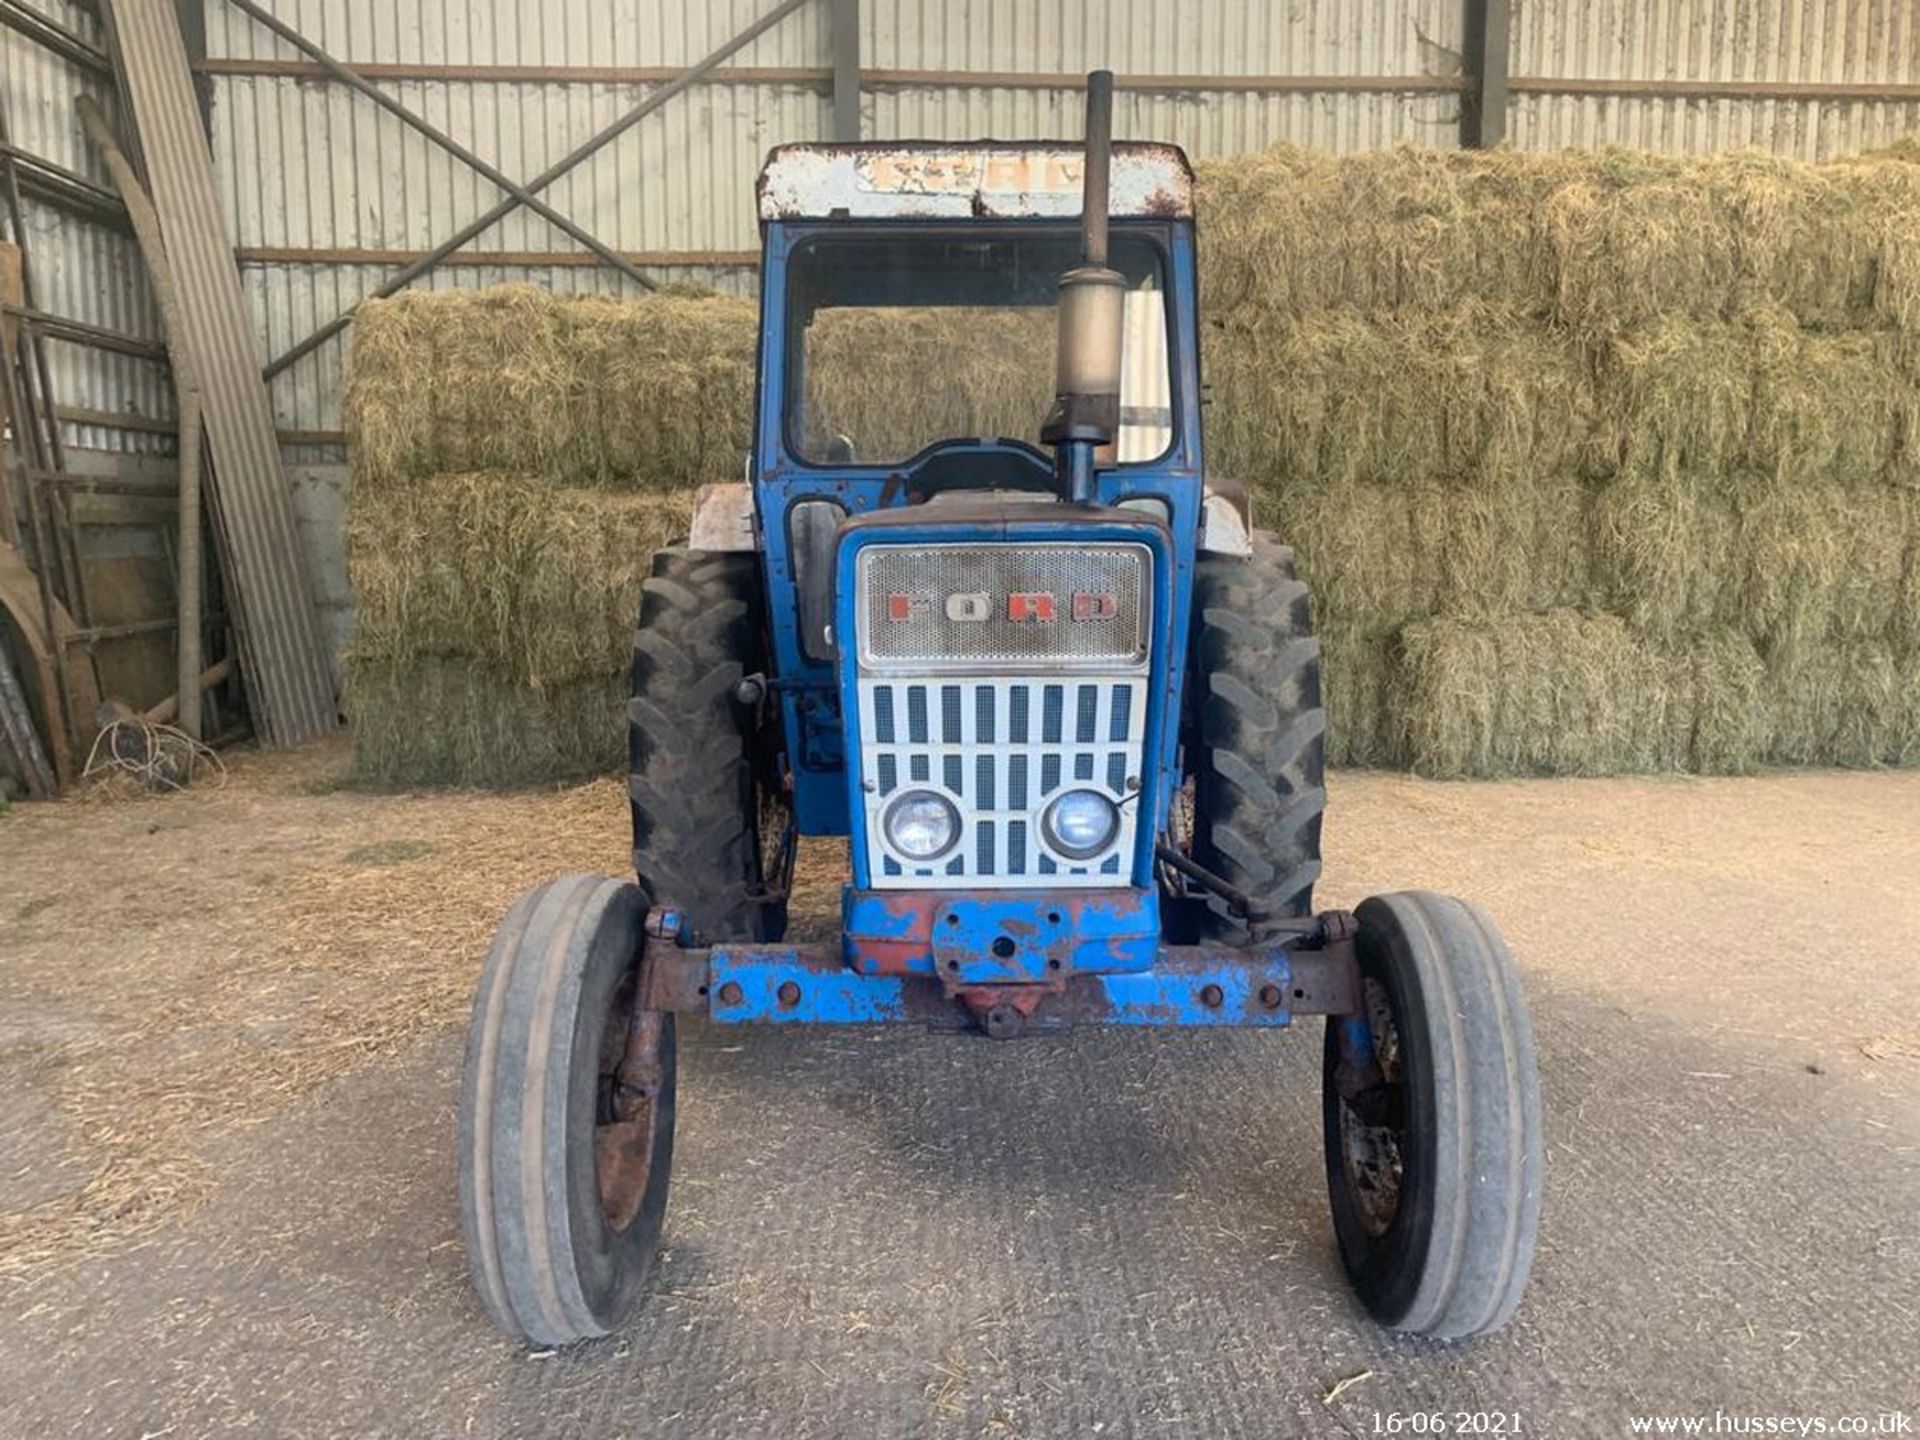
<point>1310,970</point>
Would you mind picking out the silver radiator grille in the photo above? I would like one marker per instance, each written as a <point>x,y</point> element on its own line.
<point>976,607</point>
<point>1000,748</point>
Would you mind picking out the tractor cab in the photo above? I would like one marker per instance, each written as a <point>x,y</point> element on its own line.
<point>938,359</point>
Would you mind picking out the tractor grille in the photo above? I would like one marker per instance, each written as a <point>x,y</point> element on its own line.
<point>944,608</point>
<point>1000,749</point>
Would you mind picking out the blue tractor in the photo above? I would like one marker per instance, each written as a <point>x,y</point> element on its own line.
<point>1062,698</point>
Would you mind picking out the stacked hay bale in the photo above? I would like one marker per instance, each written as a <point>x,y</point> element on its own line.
<point>1596,462</point>
<point>517,457</point>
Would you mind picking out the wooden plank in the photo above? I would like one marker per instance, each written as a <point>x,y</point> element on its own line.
<point>79,332</point>
<point>1808,90</point>
<point>823,77</point>
<point>53,36</point>
<point>813,75</point>
<point>283,649</point>
<point>297,255</point>
<point>11,289</point>
<point>20,598</point>
<point>147,425</point>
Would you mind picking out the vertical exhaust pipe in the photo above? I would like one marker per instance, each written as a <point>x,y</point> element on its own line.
<point>1096,187</point>
<point>1086,405</point>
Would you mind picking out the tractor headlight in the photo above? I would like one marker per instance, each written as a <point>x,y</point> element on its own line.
<point>921,825</point>
<point>1080,824</point>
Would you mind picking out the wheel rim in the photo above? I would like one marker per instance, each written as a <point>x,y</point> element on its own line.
<point>1179,835</point>
<point>629,1107</point>
<point>774,839</point>
<point>1374,1154</point>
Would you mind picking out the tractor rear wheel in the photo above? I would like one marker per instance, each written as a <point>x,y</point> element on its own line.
<point>1258,741</point>
<point>1434,1169</point>
<point>709,815</point>
<point>566,1115</point>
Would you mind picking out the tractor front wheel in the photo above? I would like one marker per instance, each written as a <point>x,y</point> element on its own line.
<point>566,1115</point>
<point>1434,1153</point>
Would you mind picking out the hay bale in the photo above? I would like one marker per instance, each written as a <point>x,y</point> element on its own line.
<point>1555,694</point>
<point>1378,555</point>
<point>1635,239</point>
<point>1722,729</point>
<point>1665,550</point>
<point>1336,397</point>
<point>1564,693</point>
<point>654,392</point>
<point>1294,232</point>
<point>986,372</point>
<point>1835,406</point>
<point>1355,686</point>
<point>1592,240</point>
<point>1854,704</point>
<point>541,584</point>
<point>1673,395</point>
<point>438,720</point>
<point>1824,561</point>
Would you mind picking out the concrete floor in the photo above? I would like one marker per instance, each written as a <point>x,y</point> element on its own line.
<point>885,1233</point>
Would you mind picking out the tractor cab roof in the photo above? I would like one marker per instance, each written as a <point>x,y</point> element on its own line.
<point>967,180</point>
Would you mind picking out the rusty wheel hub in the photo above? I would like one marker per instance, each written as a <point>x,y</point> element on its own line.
<point>630,1080</point>
<point>1373,1136</point>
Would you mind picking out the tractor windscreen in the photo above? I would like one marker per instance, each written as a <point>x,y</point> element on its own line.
<point>900,340</point>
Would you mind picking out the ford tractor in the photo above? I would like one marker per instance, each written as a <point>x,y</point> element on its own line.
<point>981,608</point>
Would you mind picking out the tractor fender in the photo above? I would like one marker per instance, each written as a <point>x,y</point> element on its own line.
<point>722,519</point>
<point>1226,519</point>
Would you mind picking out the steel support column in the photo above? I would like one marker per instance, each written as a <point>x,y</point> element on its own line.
<point>1483,108</point>
<point>846,70</point>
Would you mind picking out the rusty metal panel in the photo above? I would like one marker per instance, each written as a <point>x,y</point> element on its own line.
<point>284,657</point>
<point>1726,74</point>
<point>1005,181</point>
<point>82,270</point>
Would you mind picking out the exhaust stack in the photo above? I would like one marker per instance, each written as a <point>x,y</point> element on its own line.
<point>1086,406</point>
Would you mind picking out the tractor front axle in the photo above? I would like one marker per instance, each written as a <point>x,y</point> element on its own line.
<point>1313,970</point>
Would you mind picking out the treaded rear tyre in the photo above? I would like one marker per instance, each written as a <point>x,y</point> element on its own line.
<point>1444,1246</point>
<point>551,1262</point>
<point>1259,765</point>
<point>694,772</point>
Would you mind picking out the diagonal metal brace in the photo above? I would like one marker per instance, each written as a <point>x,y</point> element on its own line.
<point>687,78</point>
<point>353,78</point>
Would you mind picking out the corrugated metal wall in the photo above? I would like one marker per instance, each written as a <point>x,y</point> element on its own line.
<point>1229,40</point>
<point>327,196</point>
<point>310,167</point>
<point>81,270</point>
<point>1782,70</point>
